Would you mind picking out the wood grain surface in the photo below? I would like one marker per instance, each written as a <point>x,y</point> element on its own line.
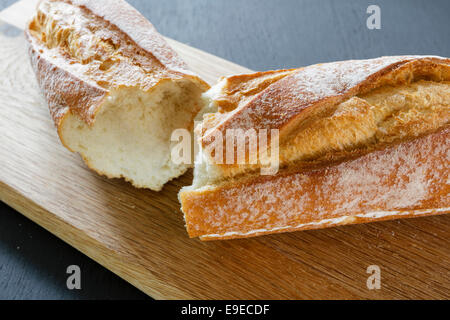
<point>140,234</point>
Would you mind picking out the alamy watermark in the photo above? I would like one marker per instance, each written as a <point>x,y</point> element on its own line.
<point>232,147</point>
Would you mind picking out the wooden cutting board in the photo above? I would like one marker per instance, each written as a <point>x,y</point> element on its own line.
<point>140,234</point>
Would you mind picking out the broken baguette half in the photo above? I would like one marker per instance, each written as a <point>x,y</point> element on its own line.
<point>358,141</point>
<point>115,89</point>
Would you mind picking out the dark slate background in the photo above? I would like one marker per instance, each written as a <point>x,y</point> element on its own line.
<point>258,34</point>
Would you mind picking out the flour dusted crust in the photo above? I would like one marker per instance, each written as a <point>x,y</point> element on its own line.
<point>75,82</point>
<point>398,168</point>
<point>297,94</point>
<point>89,56</point>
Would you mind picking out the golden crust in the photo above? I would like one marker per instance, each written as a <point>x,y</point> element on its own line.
<point>382,116</point>
<point>399,169</point>
<point>298,95</point>
<point>81,50</point>
<point>405,180</point>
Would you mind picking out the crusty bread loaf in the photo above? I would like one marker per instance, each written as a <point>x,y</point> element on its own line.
<point>359,141</point>
<point>115,89</point>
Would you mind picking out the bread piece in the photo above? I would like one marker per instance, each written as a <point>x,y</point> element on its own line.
<point>115,89</point>
<point>359,141</point>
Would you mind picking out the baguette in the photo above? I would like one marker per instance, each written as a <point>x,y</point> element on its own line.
<point>358,141</point>
<point>115,89</point>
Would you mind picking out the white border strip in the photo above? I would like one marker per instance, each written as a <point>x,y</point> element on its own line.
<point>372,215</point>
